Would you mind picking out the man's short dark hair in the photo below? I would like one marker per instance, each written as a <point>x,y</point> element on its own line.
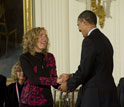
<point>89,16</point>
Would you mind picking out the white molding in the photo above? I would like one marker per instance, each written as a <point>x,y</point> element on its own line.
<point>37,13</point>
<point>55,20</point>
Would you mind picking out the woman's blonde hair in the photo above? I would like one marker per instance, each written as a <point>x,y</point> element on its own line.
<point>30,38</point>
<point>16,68</point>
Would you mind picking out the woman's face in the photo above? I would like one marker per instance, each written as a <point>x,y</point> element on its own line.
<point>42,41</point>
<point>20,75</point>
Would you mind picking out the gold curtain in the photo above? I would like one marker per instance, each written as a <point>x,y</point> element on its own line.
<point>99,10</point>
<point>27,12</point>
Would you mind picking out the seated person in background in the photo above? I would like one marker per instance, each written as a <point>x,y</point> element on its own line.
<point>39,69</point>
<point>120,89</point>
<point>2,89</point>
<point>14,89</point>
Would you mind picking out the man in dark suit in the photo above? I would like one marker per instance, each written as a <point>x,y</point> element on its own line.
<point>2,90</point>
<point>96,66</point>
<point>120,90</point>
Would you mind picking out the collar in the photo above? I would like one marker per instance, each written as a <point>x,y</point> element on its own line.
<point>91,31</point>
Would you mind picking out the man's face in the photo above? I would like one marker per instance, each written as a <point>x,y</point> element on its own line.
<point>82,27</point>
<point>79,25</point>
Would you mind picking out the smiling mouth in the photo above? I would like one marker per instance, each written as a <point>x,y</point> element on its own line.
<point>43,43</point>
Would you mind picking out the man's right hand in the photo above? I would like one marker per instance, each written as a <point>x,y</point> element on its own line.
<point>64,77</point>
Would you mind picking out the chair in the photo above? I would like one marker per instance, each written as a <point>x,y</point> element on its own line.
<point>120,90</point>
<point>65,99</point>
<point>7,31</point>
<point>10,81</point>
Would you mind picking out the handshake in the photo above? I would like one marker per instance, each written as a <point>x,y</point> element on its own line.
<point>62,80</point>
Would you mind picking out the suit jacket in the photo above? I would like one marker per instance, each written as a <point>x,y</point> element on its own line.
<point>120,89</point>
<point>2,89</point>
<point>95,73</point>
<point>11,97</point>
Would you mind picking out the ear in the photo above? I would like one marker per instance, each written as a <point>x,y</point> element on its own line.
<point>84,21</point>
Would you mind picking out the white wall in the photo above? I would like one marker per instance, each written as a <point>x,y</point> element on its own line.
<point>113,29</point>
<point>59,17</point>
<point>54,16</point>
<point>121,33</point>
<point>75,37</point>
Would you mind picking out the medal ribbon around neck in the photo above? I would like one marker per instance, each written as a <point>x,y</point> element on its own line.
<point>17,92</point>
